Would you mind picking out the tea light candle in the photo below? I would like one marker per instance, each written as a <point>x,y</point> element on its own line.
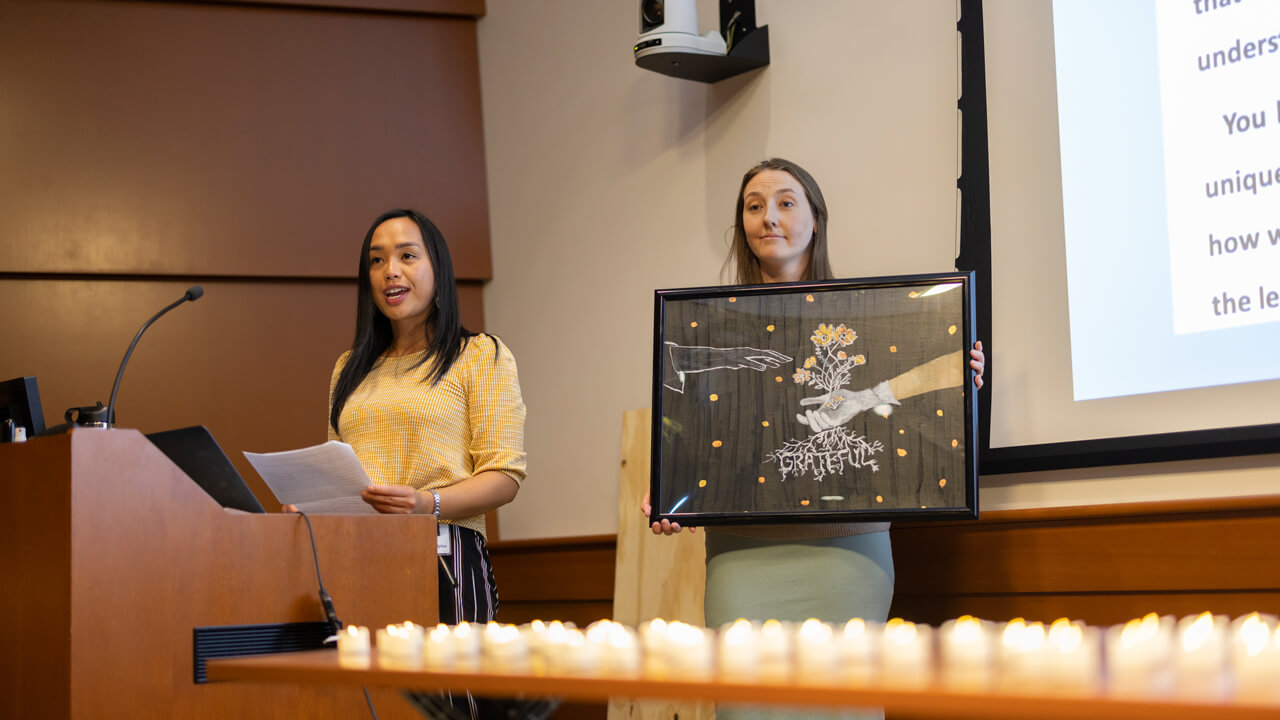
<point>1200,656</point>
<point>389,641</point>
<point>466,647</point>
<point>967,653</point>
<point>1073,658</point>
<point>906,654</point>
<point>504,649</point>
<point>816,653</point>
<point>354,647</point>
<point>739,652</point>
<point>653,638</point>
<point>1255,658</point>
<point>555,635</point>
<point>354,640</point>
<point>400,644</point>
<point>1139,657</point>
<point>578,657</point>
<point>689,652</point>
<point>553,647</point>
<point>437,651</point>
<point>536,633</point>
<point>775,652</point>
<point>624,648</point>
<point>616,647</point>
<point>565,651</point>
<point>859,653</point>
<point>1022,646</point>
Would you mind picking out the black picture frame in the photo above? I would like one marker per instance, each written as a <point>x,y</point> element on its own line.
<point>780,403</point>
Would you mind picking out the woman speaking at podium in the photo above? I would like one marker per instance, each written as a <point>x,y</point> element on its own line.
<point>432,410</point>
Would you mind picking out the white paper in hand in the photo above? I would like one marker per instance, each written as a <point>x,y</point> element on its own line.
<point>323,479</point>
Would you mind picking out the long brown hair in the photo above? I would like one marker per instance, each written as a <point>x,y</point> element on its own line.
<point>746,266</point>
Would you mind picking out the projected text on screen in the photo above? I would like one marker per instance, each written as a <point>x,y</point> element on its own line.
<point>1221,112</point>
<point>1169,131</point>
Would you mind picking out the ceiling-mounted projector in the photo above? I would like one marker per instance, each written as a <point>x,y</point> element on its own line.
<point>670,28</point>
<point>669,42</point>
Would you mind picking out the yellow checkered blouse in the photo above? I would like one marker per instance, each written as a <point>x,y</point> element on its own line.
<point>406,431</point>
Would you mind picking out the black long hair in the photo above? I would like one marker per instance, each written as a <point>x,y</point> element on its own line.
<point>445,335</point>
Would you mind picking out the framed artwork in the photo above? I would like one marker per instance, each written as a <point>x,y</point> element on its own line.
<point>838,401</point>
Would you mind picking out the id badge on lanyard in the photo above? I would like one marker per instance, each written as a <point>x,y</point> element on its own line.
<point>444,540</point>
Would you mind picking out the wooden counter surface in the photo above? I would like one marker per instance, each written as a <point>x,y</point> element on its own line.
<point>322,667</point>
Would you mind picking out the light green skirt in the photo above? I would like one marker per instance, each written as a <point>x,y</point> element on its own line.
<point>831,579</point>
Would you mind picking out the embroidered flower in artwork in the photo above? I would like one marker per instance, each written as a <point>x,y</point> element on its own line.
<point>823,336</point>
<point>831,451</point>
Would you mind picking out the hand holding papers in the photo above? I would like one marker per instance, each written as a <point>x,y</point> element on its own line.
<point>324,479</point>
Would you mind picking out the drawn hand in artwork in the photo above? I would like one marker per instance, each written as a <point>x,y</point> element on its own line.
<point>683,360</point>
<point>744,357</point>
<point>840,406</point>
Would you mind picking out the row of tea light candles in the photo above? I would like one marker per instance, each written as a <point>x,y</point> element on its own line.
<point>1204,657</point>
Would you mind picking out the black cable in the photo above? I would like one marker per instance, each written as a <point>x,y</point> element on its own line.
<point>369,700</point>
<point>329,612</point>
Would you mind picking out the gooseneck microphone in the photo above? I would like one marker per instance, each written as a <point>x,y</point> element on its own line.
<point>193,293</point>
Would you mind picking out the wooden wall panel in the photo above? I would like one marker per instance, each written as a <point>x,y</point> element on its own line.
<point>469,8</point>
<point>1102,565</point>
<point>1095,608</point>
<point>569,579</point>
<point>581,612</point>
<point>250,360</point>
<point>576,568</point>
<point>198,139</point>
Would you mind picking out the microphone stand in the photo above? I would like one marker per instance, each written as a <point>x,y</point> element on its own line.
<point>193,293</point>
<point>105,417</point>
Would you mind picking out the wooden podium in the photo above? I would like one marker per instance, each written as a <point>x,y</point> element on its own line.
<point>111,557</point>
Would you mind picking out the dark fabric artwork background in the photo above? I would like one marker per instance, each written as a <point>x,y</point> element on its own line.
<point>714,450</point>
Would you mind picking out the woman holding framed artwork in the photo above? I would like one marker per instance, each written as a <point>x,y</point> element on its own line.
<point>833,571</point>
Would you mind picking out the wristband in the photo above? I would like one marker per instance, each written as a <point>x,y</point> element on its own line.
<point>436,496</point>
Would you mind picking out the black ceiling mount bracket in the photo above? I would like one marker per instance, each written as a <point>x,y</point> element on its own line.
<point>747,47</point>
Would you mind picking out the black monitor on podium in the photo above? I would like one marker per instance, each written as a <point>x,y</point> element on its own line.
<point>21,415</point>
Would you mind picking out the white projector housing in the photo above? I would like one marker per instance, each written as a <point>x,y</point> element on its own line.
<point>655,43</point>
<point>669,42</point>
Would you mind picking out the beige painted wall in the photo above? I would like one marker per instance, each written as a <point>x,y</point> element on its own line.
<point>607,182</point>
